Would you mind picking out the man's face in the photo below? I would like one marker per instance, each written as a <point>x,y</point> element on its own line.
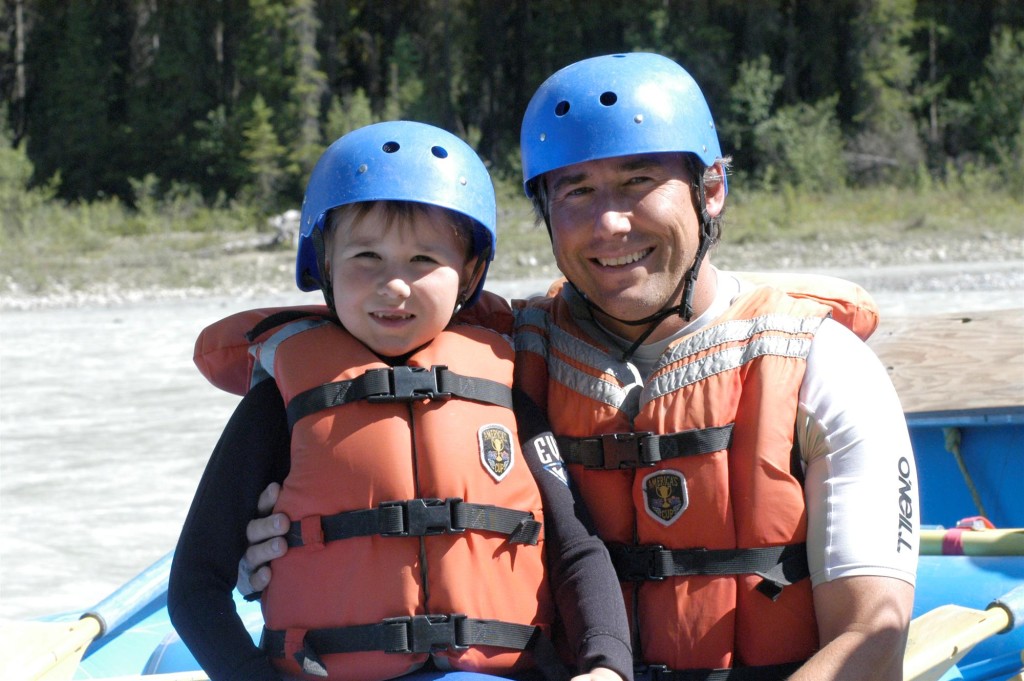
<point>624,231</point>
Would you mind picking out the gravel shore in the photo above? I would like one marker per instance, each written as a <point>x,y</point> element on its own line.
<point>922,264</point>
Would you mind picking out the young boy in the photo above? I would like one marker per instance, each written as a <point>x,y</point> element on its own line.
<point>415,492</point>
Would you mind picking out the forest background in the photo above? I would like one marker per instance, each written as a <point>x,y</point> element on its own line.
<point>135,132</point>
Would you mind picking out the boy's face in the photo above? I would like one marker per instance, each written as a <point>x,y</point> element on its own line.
<point>396,285</point>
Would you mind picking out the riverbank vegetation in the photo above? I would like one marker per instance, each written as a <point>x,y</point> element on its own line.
<point>151,144</point>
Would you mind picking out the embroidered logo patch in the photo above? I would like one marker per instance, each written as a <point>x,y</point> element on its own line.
<point>665,496</point>
<point>496,452</point>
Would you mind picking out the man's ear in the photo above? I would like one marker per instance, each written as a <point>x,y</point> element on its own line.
<point>714,189</point>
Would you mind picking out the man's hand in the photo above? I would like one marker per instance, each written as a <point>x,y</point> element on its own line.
<point>265,543</point>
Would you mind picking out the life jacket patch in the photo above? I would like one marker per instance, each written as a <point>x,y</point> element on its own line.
<point>496,450</point>
<point>665,496</point>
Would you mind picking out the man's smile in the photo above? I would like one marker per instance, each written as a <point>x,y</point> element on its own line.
<point>623,259</point>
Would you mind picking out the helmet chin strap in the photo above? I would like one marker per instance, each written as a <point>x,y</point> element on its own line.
<point>321,262</point>
<point>481,262</point>
<point>688,282</point>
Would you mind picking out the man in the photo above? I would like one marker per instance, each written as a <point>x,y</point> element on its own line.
<point>743,454</point>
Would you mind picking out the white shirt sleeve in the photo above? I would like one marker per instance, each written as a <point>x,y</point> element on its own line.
<point>861,483</point>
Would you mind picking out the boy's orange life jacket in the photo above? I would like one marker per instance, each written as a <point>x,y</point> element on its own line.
<point>416,524</point>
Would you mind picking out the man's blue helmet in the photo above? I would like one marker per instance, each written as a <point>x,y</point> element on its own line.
<point>615,105</point>
<point>397,161</point>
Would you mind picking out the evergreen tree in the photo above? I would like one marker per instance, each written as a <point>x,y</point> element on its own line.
<point>887,145</point>
<point>346,114</point>
<point>173,53</point>
<point>263,153</point>
<point>75,116</point>
<point>308,87</point>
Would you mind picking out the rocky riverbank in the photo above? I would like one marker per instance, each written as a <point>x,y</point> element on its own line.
<point>911,264</point>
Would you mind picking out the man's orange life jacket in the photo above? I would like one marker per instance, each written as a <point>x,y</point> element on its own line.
<point>699,496</point>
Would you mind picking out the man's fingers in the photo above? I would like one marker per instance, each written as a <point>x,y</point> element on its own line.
<point>250,582</point>
<point>258,555</point>
<point>268,498</point>
<point>261,529</point>
<point>253,571</point>
<point>260,579</point>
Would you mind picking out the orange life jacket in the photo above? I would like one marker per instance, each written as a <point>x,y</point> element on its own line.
<point>416,525</point>
<point>698,496</point>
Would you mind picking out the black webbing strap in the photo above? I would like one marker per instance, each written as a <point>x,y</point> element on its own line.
<point>399,384</point>
<point>417,518</point>
<point>631,450</point>
<point>773,672</point>
<point>416,634</point>
<point>778,566</point>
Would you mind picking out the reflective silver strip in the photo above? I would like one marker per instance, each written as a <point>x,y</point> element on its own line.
<point>264,352</point>
<point>586,384</point>
<point>738,330</point>
<point>724,360</point>
<point>604,391</point>
<point>609,393</point>
<point>531,315</point>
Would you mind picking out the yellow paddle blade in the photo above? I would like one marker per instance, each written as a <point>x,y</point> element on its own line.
<point>31,651</point>
<point>940,638</point>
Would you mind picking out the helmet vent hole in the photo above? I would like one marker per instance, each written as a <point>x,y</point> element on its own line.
<point>391,147</point>
<point>561,108</point>
<point>439,152</point>
<point>609,98</point>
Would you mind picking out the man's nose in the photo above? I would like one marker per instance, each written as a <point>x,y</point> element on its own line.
<point>612,218</point>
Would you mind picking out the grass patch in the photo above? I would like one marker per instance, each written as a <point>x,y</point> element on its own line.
<point>47,246</point>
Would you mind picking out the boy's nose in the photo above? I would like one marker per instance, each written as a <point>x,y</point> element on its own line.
<point>395,287</point>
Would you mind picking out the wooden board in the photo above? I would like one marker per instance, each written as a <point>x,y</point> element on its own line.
<point>954,361</point>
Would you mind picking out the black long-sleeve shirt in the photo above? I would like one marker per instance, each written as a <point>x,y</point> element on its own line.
<point>253,451</point>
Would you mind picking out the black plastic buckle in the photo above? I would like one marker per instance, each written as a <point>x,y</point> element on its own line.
<point>623,450</point>
<point>653,672</point>
<point>426,517</point>
<point>651,563</point>
<point>408,384</point>
<point>428,633</point>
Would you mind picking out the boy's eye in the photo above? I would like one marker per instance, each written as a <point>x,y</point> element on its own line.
<point>423,258</point>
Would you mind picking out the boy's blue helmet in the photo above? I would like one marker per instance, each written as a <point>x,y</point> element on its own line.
<point>615,105</point>
<point>397,161</point>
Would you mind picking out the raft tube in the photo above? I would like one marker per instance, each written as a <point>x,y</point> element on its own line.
<point>959,541</point>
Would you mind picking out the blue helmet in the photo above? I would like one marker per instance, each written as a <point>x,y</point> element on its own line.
<point>397,161</point>
<point>615,105</point>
